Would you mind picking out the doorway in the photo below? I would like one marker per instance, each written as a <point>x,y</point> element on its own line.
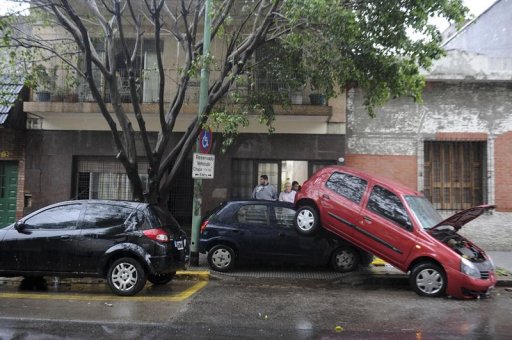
<point>8,192</point>
<point>454,173</point>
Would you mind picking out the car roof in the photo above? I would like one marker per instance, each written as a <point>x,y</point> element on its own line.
<point>398,187</point>
<point>255,201</point>
<point>128,204</point>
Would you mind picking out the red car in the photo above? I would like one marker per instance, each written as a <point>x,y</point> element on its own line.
<point>400,226</point>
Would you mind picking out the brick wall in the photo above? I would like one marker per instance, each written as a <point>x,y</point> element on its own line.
<point>12,148</point>
<point>402,169</point>
<point>503,171</point>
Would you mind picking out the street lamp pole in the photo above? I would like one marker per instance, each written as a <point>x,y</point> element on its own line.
<point>203,101</point>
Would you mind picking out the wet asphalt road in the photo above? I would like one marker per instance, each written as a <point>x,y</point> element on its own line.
<point>252,309</point>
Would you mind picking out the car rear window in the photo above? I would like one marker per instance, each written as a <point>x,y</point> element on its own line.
<point>157,218</point>
<point>284,217</point>
<point>105,216</point>
<point>348,186</point>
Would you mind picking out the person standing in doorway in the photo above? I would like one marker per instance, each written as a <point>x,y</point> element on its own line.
<point>265,190</point>
<point>288,195</point>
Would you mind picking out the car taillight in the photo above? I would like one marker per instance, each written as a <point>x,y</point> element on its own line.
<point>158,234</point>
<point>203,226</point>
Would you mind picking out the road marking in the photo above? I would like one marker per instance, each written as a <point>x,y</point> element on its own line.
<point>85,297</point>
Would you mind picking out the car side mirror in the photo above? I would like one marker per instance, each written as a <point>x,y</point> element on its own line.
<point>19,226</point>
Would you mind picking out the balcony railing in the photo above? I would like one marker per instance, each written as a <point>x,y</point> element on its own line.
<point>147,92</point>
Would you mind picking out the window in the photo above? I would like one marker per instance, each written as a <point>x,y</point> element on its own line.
<point>105,179</point>
<point>106,216</point>
<point>348,186</point>
<point>284,217</point>
<point>62,217</point>
<point>246,172</point>
<point>253,214</point>
<point>388,205</point>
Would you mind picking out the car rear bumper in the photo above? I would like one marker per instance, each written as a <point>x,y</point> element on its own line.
<point>464,287</point>
<point>168,263</point>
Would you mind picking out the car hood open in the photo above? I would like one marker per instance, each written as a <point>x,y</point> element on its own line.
<point>464,216</point>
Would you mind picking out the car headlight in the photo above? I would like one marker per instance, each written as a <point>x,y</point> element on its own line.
<point>491,262</point>
<point>468,268</point>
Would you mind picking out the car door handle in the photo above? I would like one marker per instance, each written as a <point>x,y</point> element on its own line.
<point>65,237</point>
<point>367,219</point>
<point>281,234</point>
<point>324,196</point>
<point>235,230</point>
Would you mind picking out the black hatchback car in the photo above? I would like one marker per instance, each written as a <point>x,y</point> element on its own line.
<point>127,243</point>
<point>263,232</point>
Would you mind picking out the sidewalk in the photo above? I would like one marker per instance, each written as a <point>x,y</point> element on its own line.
<point>491,231</point>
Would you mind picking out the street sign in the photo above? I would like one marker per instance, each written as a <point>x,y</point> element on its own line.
<point>205,140</point>
<point>203,166</point>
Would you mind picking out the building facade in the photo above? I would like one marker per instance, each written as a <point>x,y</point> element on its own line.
<point>12,153</point>
<point>456,145</point>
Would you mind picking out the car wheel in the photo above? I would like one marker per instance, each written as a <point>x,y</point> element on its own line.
<point>126,277</point>
<point>428,279</point>
<point>306,220</point>
<point>221,258</point>
<point>160,279</point>
<point>345,259</point>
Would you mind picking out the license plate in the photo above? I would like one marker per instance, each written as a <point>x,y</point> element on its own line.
<point>178,245</point>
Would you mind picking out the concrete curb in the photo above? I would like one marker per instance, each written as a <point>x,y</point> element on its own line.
<point>199,275</point>
<point>380,275</point>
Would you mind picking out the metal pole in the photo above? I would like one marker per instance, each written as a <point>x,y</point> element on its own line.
<point>203,100</point>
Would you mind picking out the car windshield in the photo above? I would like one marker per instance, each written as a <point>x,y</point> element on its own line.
<point>425,213</point>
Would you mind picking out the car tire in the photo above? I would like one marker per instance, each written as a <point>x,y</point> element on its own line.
<point>345,259</point>
<point>428,279</point>
<point>306,220</point>
<point>160,279</point>
<point>221,258</point>
<point>126,277</point>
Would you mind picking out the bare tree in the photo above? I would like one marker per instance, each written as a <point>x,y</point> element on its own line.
<point>337,41</point>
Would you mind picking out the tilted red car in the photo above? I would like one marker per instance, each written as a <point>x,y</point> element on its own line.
<point>400,226</point>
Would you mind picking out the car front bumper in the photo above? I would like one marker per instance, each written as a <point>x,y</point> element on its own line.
<point>463,286</point>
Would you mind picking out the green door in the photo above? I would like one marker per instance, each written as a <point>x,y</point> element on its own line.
<point>8,192</point>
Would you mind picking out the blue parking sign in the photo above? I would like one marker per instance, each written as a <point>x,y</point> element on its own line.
<point>205,140</point>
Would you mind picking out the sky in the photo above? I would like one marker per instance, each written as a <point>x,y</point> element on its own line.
<point>475,6</point>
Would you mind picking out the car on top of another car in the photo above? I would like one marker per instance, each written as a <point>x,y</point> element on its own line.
<point>257,231</point>
<point>400,226</point>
